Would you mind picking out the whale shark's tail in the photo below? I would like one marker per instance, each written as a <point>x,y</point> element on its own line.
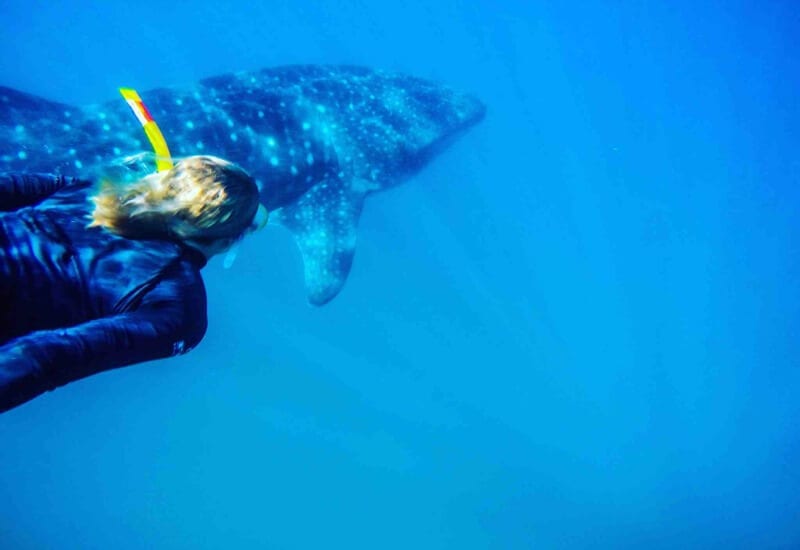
<point>318,138</point>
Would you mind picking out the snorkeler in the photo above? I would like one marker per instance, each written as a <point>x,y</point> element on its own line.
<point>98,277</point>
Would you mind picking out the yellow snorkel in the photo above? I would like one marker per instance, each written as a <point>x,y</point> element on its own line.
<point>163,158</point>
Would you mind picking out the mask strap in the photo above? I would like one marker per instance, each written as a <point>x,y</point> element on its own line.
<point>260,219</point>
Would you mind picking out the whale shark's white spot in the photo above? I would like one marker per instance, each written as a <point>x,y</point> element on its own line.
<point>179,101</point>
<point>117,150</point>
<point>71,152</point>
<point>6,158</point>
<point>293,170</point>
<point>66,127</point>
<point>102,116</point>
<point>307,144</point>
<point>78,164</point>
<point>261,114</point>
<point>234,137</point>
<point>230,123</point>
<point>106,127</point>
<point>67,114</point>
<point>321,108</point>
<point>19,128</point>
<point>306,126</point>
<point>190,124</point>
<point>22,155</point>
<point>274,161</point>
<point>310,159</point>
<point>271,141</point>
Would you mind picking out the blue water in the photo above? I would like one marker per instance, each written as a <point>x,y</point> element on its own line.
<point>576,328</point>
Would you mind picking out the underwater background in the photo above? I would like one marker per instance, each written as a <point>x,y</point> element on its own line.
<point>578,327</point>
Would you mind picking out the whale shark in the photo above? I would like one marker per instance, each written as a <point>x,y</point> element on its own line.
<point>317,139</point>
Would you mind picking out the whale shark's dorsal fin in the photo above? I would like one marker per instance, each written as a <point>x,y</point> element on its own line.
<point>323,223</point>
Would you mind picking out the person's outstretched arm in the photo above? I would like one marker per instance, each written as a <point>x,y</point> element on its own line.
<point>170,320</point>
<point>20,189</point>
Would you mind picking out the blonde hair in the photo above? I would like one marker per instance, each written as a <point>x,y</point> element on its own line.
<point>201,198</point>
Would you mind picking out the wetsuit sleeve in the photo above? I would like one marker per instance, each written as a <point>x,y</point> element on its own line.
<point>170,320</point>
<point>18,190</point>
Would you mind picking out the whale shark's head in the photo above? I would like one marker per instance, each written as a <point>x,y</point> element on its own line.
<point>452,113</point>
<point>389,125</point>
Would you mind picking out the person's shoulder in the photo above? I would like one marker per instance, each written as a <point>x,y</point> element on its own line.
<point>187,288</point>
<point>181,265</point>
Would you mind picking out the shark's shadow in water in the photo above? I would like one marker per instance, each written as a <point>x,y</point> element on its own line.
<point>318,139</point>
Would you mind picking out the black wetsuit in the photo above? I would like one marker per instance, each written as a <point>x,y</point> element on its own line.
<point>76,300</point>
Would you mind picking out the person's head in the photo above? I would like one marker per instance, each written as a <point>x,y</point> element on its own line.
<point>203,201</point>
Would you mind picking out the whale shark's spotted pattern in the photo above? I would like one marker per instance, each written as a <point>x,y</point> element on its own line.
<point>317,139</point>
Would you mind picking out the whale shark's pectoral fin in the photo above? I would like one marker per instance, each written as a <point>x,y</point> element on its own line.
<point>324,223</point>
